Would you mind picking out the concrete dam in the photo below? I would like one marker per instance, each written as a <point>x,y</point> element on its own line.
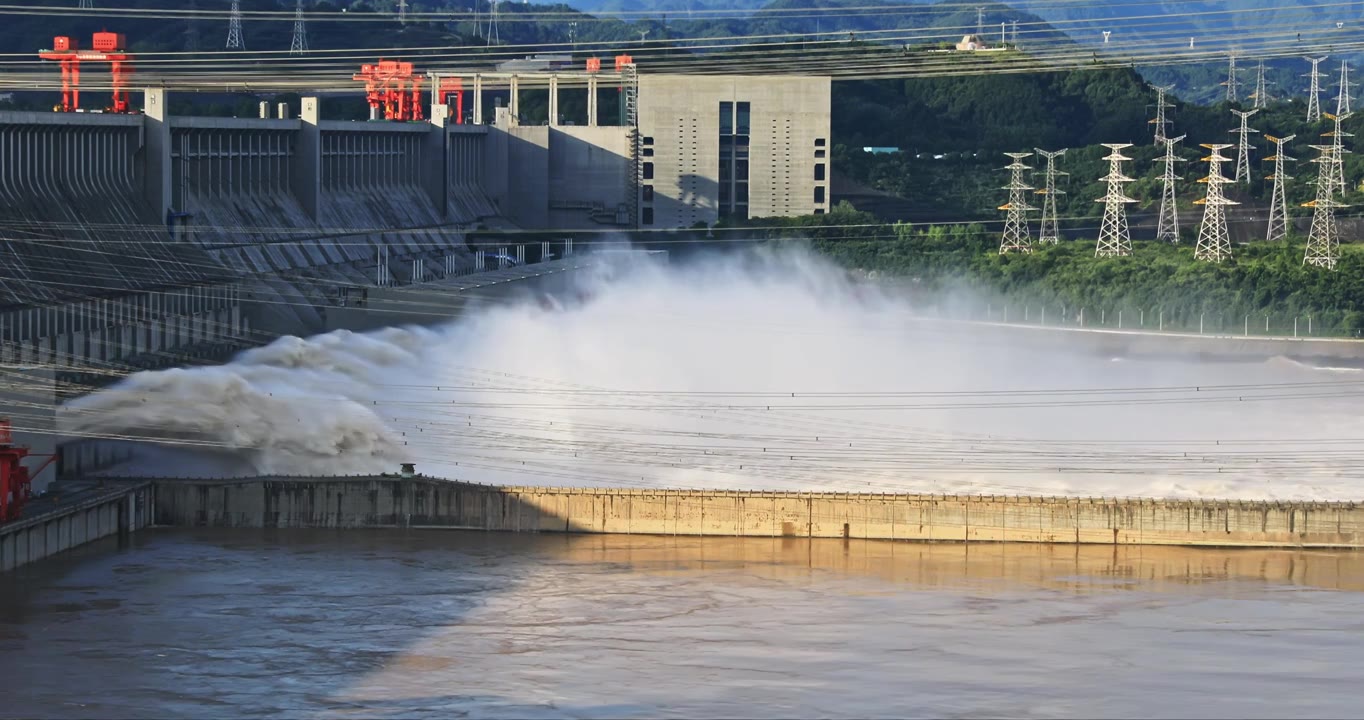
<point>427,503</point>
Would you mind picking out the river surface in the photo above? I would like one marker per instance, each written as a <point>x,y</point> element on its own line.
<point>311,624</point>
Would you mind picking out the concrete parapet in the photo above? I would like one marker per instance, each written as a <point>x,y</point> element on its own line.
<point>43,532</point>
<point>393,501</point>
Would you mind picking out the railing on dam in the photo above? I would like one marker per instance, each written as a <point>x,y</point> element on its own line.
<point>387,501</point>
<point>50,527</point>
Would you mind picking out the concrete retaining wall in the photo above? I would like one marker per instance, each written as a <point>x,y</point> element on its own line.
<point>392,501</point>
<point>45,533</point>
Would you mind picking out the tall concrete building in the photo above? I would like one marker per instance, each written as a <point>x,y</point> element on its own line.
<point>714,147</point>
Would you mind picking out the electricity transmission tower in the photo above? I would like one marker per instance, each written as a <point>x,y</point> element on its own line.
<point>1161,106</point>
<point>1343,98</point>
<point>1050,234</point>
<point>1114,238</point>
<point>1214,243</point>
<point>1314,90</point>
<point>1278,205</point>
<point>1231,78</point>
<point>402,11</point>
<point>1016,236</point>
<point>1323,240</point>
<point>234,27</point>
<point>1243,147</point>
<point>87,4</point>
<point>192,27</point>
<point>493,38</point>
<point>1338,150</point>
<point>299,44</point>
<point>980,22</point>
<point>1261,97</point>
<point>1167,228</point>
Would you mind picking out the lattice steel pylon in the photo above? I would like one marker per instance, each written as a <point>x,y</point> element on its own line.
<point>299,44</point>
<point>1050,233</point>
<point>1314,89</point>
<point>234,27</point>
<point>87,4</point>
<point>1260,98</point>
<point>1017,237</point>
<point>1167,228</point>
<point>1323,240</point>
<point>1231,81</point>
<point>1243,146</point>
<point>1338,150</point>
<point>1114,238</point>
<point>1343,97</point>
<point>1161,106</point>
<point>1214,242</point>
<point>1278,205</point>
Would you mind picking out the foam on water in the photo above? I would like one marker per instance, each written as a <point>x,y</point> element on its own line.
<point>766,370</point>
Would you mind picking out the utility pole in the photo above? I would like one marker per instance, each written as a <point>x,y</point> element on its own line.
<point>1214,242</point>
<point>299,44</point>
<point>1343,98</point>
<point>1323,240</point>
<point>1161,106</point>
<point>234,27</point>
<point>1050,233</point>
<point>1314,90</point>
<point>1016,235</point>
<point>1243,147</point>
<point>980,23</point>
<point>1338,150</point>
<point>1278,205</point>
<point>1231,78</point>
<point>1167,228</point>
<point>1260,97</point>
<point>1114,238</point>
<point>1013,33</point>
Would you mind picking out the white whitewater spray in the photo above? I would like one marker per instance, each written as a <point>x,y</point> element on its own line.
<point>764,369</point>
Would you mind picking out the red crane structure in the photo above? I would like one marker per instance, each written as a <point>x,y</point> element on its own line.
<point>105,47</point>
<point>15,479</point>
<point>390,84</point>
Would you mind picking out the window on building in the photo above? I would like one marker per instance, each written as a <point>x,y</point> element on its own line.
<point>648,193</point>
<point>819,142</point>
<point>819,154</point>
<point>648,171</point>
<point>735,122</point>
<point>819,211</point>
<point>819,172</point>
<point>819,195</point>
<point>648,152</point>
<point>647,216</point>
<point>647,140</point>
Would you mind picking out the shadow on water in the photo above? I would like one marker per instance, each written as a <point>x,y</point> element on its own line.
<point>389,623</point>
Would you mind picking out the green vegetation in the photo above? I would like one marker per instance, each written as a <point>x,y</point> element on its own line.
<point>1158,281</point>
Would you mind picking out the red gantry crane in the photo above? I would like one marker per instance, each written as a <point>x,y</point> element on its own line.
<point>105,47</point>
<point>15,479</point>
<point>392,85</point>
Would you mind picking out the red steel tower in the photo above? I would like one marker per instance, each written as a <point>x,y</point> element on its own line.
<point>105,47</point>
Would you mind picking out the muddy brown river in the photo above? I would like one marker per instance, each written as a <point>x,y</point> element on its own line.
<point>440,624</point>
